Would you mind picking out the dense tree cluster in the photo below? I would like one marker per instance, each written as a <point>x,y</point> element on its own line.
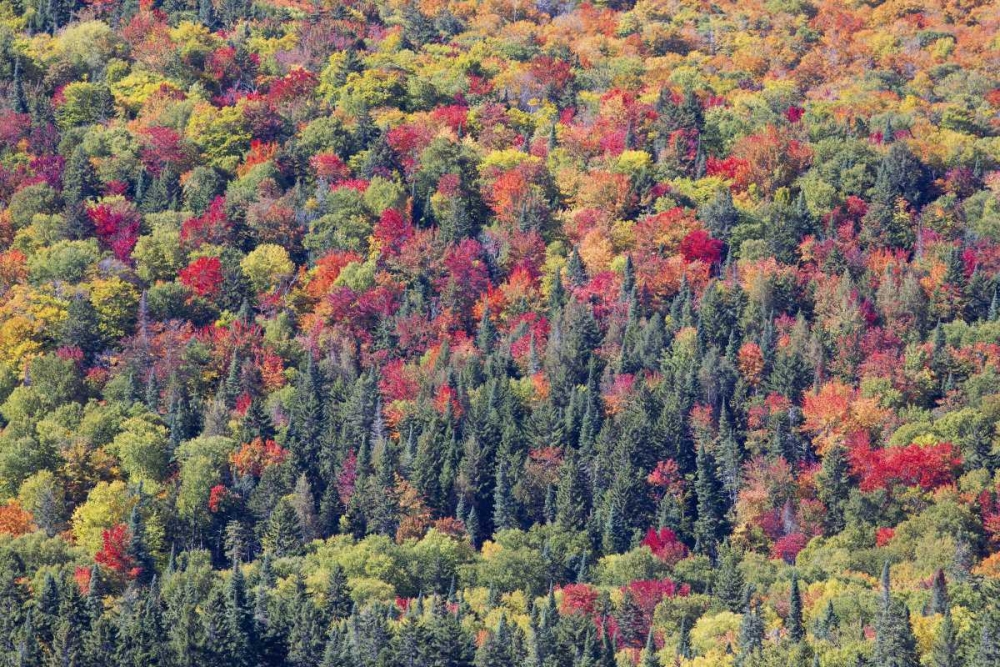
<point>447,334</point>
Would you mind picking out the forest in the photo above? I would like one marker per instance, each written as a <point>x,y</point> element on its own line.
<point>499,333</point>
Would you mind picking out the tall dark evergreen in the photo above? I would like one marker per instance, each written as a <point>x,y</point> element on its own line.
<point>895,644</point>
<point>710,524</point>
<point>80,183</point>
<point>793,623</point>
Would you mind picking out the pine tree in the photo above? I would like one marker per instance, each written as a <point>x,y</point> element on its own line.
<point>649,658</point>
<point>571,495</point>
<point>283,536</point>
<point>137,551</point>
<point>729,583</point>
<point>946,648</point>
<point>684,641</point>
<point>575,271</point>
<point>80,328</point>
<point>487,333</point>
<point>828,622</point>
<point>615,537</point>
<point>305,420</point>
<point>834,486</point>
<point>20,101</point>
<point>939,594</point>
<point>987,653</point>
<point>503,503</point>
<point>80,182</point>
<point>185,639</point>
<point>226,643</point>
<point>751,639</point>
<point>140,629</point>
<point>796,630</point>
<point>337,603</point>
<point>710,524</point>
<point>337,652</point>
<point>895,645</point>
<point>502,648</point>
<point>306,636</point>
<point>27,650</point>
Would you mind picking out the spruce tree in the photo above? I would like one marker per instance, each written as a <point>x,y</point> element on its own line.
<point>649,658</point>
<point>503,502</point>
<point>946,649</point>
<point>684,641</point>
<point>710,524</point>
<point>939,594</point>
<point>730,586</point>
<point>751,639</point>
<point>895,645</point>
<point>80,183</point>
<point>138,552</point>
<point>987,653</point>
<point>571,495</point>
<point>834,486</point>
<point>337,603</point>
<point>283,535</point>
<point>796,630</point>
<point>828,622</point>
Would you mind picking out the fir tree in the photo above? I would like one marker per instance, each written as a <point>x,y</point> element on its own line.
<point>946,649</point>
<point>648,658</point>
<point>729,583</point>
<point>138,552</point>
<point>751,639</point>
<point>503,502</point>
<point>710,524</point>
<point>895,645</point>
<point>337,603</point>
<point>834,486</point>
<point>793,623</point>
<point>939,594</point>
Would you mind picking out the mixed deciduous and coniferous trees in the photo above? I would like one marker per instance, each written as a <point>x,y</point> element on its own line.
<point>490,333</point>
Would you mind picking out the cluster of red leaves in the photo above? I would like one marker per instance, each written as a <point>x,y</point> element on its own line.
<point>259,153</point>
<point>454,116</point>
<point>989,507</point>
<point>392,231</point>
<point>114,552</point>
<point>446,401</point>
<point>928,467</point>
<point>619,392</point>
<point>297,84</point>
<point>883,536</point>
<point>578,599</point>
<point>203,276</point>
<point>217,496</point>
<point>730,168</point>
<point>665,545</point>
<point>408,141</point>
<point>329,167</point>
<point>162,147</point>
<point>699,245</point>
<point>647,594</point>
<point>211,227</point>
<point>256,456</point>
<point>666,478</point>
<point>787,547</point>
<point>347,477</point>
<point>117,226</point>
<point>398,382</point>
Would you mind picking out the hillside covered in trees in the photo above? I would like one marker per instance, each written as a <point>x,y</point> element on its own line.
<point>499,333</point>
